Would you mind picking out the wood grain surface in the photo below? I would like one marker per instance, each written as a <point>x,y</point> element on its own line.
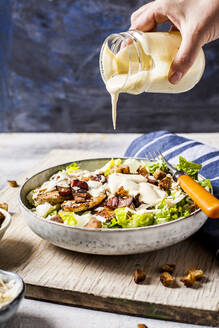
<point>106,283</point>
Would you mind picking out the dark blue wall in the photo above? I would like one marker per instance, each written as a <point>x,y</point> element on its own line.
<point>54,81</point>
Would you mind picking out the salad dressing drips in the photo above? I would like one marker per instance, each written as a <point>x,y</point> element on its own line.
<point>137,62</point>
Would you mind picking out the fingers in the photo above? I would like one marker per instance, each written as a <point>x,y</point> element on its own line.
<point>147,17</point>
<point>188,51</point>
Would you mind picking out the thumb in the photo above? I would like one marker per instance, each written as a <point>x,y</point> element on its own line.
<point>184,59</point>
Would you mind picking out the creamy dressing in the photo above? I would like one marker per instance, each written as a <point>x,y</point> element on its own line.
<point>96,188</point>
<point>136,184</point>
<point>144,65</point>
<point>8,290</point>
<point>61,179</point>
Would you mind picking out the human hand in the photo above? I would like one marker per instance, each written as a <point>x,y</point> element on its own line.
<point>197,21</point>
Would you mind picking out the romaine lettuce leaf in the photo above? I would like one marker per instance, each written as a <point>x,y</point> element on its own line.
<point>205,183</point>
<point>72,167</point>
<point>190,168</point>
<point>110,164</point>
<point>123,216</point>
<point>68,218</point>
<point>141,220</point>
<point>126,219</point>
<point>166,213</point>
<point>159,164</point>
<point>45,209</point>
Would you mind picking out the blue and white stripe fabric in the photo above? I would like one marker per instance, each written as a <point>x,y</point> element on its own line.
<point>172,146</point>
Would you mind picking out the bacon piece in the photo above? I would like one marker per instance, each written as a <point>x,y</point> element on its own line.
<point>151,179</point>
<point>125,202</point>
<point>64,191</point>
<point>80,184</point>
<point>99,177</point>
<point>112,202</point>
<point>136,201</point>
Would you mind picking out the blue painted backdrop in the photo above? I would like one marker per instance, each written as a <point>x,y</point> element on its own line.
<point>53,73</point>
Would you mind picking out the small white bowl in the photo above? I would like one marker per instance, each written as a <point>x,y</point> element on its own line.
<point>5,223</point>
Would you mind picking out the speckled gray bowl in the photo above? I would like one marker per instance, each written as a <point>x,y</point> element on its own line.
<point>105,241</point>
<point>9,310</point>
<point>5,223</point>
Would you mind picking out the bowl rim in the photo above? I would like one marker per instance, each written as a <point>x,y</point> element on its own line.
<point>19,295</point>
<point>6,221</point>
<point>109,230</point>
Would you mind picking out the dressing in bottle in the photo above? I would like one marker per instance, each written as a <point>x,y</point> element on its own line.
<point>136,62</point>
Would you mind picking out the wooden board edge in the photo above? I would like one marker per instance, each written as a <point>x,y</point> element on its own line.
<point>124,306</point>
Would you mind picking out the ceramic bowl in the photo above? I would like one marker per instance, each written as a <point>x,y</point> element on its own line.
<point>105,241</point>
<point>8,310</point>
<point>5,223</point>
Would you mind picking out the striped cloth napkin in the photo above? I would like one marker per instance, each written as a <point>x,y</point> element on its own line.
<point>172,145</point>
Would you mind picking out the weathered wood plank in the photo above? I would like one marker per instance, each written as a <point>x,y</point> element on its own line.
<point>106,283</point>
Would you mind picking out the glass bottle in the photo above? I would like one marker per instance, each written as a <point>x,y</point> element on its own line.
<point>135,62</point>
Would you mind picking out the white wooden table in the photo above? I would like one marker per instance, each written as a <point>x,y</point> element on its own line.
<point>19,152</point>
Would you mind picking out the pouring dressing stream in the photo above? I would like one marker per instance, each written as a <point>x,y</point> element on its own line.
<point>136,62</point>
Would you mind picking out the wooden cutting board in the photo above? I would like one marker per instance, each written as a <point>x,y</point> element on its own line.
<point>106,283</point>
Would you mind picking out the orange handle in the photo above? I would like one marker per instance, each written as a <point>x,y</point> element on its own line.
<point>206,201</point>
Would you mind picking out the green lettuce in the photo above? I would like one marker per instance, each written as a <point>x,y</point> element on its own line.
<point>159,164</point>
<point>111,164</point>
<point>141,220</point>
<point>68,218</point>
<point>166,213</point>
<point>72,167</point>
<point>190,168</point>
<point>124,218</point>
<point>205,183</point>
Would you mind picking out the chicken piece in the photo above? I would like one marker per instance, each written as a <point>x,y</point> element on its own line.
<point>159,174</point>
<point>165,183</point>
<point>57,218</point>
<point>73,206</point>
<point>106,213</point>
<point>93,223</point>
<point>142,325</point>
<point>52,197</point>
